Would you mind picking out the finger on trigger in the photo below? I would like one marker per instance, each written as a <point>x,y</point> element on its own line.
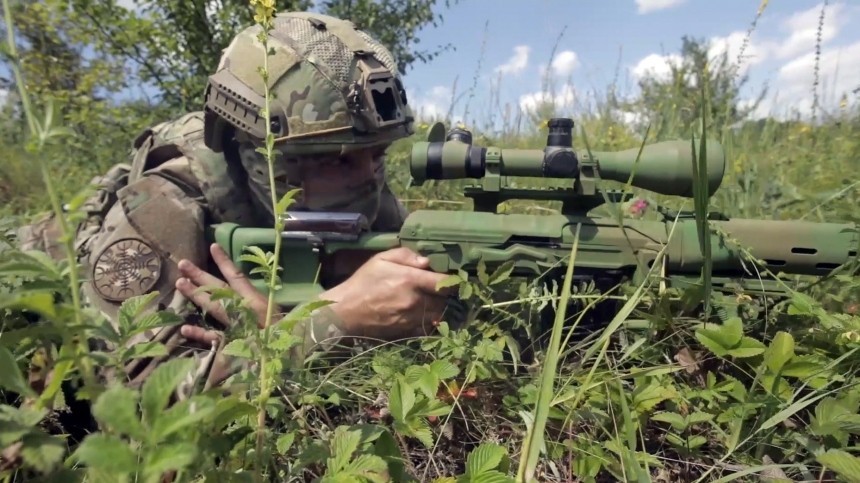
<point>404,256</point>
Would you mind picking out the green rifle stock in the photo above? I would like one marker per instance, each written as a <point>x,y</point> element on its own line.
<point>538,245</point>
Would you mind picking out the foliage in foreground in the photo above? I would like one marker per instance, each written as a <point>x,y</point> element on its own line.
<point>766,388</point>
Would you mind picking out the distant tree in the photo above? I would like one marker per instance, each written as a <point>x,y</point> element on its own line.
<point>672,103</point>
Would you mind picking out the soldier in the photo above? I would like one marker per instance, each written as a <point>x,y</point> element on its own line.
<point>338,104</point>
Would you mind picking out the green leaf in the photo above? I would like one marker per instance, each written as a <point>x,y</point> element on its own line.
<point>285,442</point>
<point>238,348</point>
<point>37,302</point>
<point>152,321</point>
<point>144,349</point>
<point>482,272</point>
<point>484,458</point>
<point>167,457</point>
<point>116,409</point>
<point>108,453</point>
<point>502,273</point>
<point>676,420</point>
<point>367,466</point>
<point>444,369</point>
<point>401,399</point>
<point>160,385</point>
<point>343,445</point>
<point>42,452</point>
<point>132,308</point>
<point>781,350</point>
<point>843,463</point>
<point>492,477</point>
<point>10,375</point>
<point>748,347</point>
<point>449,281</point>
<point>182,415</point>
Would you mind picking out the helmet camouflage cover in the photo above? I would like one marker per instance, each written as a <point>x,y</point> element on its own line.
<point>333,87</point>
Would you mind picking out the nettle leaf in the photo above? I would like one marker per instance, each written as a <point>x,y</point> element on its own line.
<point>842,462</point>
<point>285,442</point>
<point>182,415</point>
<point>40,303</point>
<point>132,308</point>
<point>170,457</point>
<point>11,378</point>
<point>116,409</point>
<point>152,321</point>
<point>42,452</point>
<point>108,453</point>
<point>144,349</point>
<point>238,348</point>
<point>160,385</point>
<point>780,351</point>
<point>491,477</point>
<point>484,458</point>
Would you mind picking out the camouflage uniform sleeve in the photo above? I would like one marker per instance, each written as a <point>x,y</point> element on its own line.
<point>156,221</point>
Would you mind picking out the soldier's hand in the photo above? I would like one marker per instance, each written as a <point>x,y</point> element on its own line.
<point>392,295</point>
<point>194,277</point>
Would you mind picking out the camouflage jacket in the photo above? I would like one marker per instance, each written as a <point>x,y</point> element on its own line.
<point>148,215</point>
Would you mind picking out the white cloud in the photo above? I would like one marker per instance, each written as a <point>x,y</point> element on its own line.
<point>838,75</point>
<point>754,52</point>
<point>648,6</point>
<point>656,65</point>
<point>565,62</point>
<point>433,105</point>
<point>517,62</point>
<point>565,98</point>
<point>803,29</point>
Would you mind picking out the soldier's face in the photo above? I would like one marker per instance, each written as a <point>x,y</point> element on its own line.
<point>349,183</point>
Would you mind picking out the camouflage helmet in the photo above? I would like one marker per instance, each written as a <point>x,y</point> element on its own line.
<point>334,88</point>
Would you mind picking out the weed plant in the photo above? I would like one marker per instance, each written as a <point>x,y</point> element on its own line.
<point>697,384</point>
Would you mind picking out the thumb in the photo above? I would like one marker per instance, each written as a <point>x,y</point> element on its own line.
<point>404,256</point>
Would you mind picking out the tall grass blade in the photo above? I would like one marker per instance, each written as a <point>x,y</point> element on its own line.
<point>534,439</point>
<point>700,197</point>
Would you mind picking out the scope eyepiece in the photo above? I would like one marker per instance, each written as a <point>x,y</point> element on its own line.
<point>458,134</point>
<point>560,132</point>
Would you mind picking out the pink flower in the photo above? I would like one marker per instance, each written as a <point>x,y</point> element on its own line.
<point>638,207</point>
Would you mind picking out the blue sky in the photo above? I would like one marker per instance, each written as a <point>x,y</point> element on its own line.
<point>631,36</point>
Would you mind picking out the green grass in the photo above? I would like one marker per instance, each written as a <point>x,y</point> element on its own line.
<point>654,391</point>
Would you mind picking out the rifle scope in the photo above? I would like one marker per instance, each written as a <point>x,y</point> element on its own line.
<point>664,167</point>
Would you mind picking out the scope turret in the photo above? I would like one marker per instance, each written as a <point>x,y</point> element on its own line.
<point>664,167</point>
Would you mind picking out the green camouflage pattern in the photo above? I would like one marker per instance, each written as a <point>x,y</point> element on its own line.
<point>155,211</point>
<point>314,78</point>
<point>744,253</point>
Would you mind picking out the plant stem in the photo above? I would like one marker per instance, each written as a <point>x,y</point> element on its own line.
<point>41,135</point>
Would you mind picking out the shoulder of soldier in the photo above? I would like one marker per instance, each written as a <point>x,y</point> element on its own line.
<point>178,148</point>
